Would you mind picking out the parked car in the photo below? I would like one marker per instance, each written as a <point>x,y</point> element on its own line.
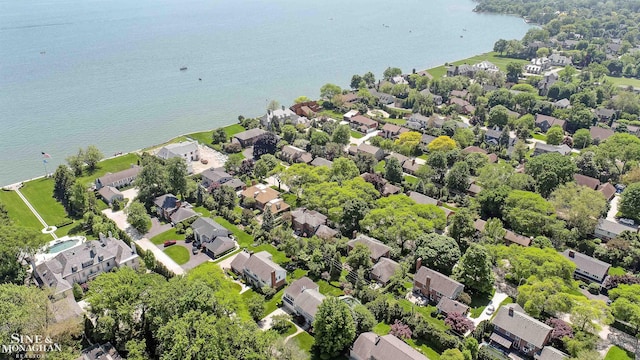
<point>195,250</point>
<point>204,161</point>
<point>169,243</point>
<point>625,221</point>
<point>490,309</point>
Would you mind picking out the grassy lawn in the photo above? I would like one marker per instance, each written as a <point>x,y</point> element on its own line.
<point>290,199</point>
<point>617,270</point>
<point>493,57</point>
<point>328,289</point>
<point>424,348</point>
<point>539,136</point>
<point>18,210</point>
<point>278,256</point>
<point>331,114</point>
<point>423,157</point>
<point>203,137</point>
<point>243,239</point>
<point>40,194</point>
<point>73,229</point>
<point>179,254</point>
<point>425,311</point>
<point>112,165</point>
<point>382,328</point>
<point>233,129</point>
<point>616,353</point>
<point>203,211</point>
<point>411,179</point>
<point>356,134</point>
<point>172,141</point>
<point>478,304</point>
<point>270,305</point>
<point>167,235</point>
<point>622,81</point>
<point>399,122</point>
<point>298,273</point>
<point>379,167</point>
<point>290,330</point>
<point>304,341</point>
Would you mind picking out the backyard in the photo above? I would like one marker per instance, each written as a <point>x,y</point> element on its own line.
<point>18,210</point>
<point>493,57</point>
<point>616,353</point>
<point>39,193</point>
<point>111,165</point>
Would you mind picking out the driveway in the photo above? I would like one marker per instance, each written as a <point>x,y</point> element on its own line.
<point>272,181</point>
<point>157,228</point>
<point>248,152</point>
<point>613,209</point>
<point>226,263</point>
<point>266,322</point>
<point>194,260</point>
<point>362,139</point>
<point>497,298</point>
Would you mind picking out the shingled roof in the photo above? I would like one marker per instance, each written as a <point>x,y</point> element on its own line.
<point>439,282</point>
<point>587,263</point>
<point>388,347</point>
<point>513,319</point>
<point>377,248</point>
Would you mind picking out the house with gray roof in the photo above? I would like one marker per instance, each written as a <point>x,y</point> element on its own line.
<point>426,139</point>
<point>214,176</point>
<point>170,208</point>
<point>247,138</point>
<point>550,353</point>
<point>607,229</point>
<point>282,116</point>
<point>410,166</point>
<point>303,298</point>
<point>392,131</point>
<point>423,199</point>
<point>100,352</point>
<point>206,230</point>
<point>292,154</point>
<point>306,222</point>
<point>544,122</point>
<point>562,104</point>
<point>599,134</point>
<point>377,248</point>
<point>540,148</point>
<point>259,269</point>
<point>370,346</point>
<point>448,306</point>
<point>322,162</point>
<point>220,246</point>
<point>435,285</point>
<point>110,194</point>
<point>587,267</point>
<point>588,181</point>
<point>82,263</point>
<point>514,329</point>
<point>182,214</point>
<point>377,152</point>
<point>119,179</point>
<point>363,124</point>
<point>383,270</point>
<point>187,150</point>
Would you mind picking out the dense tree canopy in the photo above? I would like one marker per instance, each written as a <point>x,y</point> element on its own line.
<point>550,170</point>
<point>334,327</point>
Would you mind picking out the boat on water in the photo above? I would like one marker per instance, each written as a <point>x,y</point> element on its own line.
<point>183,68</point>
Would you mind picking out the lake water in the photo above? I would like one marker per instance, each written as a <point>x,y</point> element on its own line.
<point>106,72</point>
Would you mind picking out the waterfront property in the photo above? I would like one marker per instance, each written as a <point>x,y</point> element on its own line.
<point>187,150</point>
<point>119,179</point>
<point>247,138</point>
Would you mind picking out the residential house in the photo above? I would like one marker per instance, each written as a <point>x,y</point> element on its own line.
<point>492,137</point>
<point>377,152</point>
<point>559,60</point>
<point>262,193</point>
<point>562,104</point>
<point>544,122</point>
<point>540,148</point>
<point>550,353</point>
<point>435,285</point>
<point>546,82</point>
<point>110,194</point>
<point>215,176</point>
<point>448,306</point>
<point>282,116</point>
<point>383,98</point>
<point>306,109</point>
<point>462,94</point>
<point>370,346</point>
<point>350,98</point>
<point>608,190</point>
<point>383,270</point>
<point>306,222</point>
<point>276,206</point>
<point>410,166</point>
<point>219,247</point>
<point>514,329</point>
<point>426,140</point>
<point>588,181</point>
<point>486,66</point>
<point>248,138</point>
<point>510,236</point>
<point>259,270</point>
<point>119,179</point>
<point>401,158</point>
<point>187,150</point>
<point>462,70</point>
<point>81,263</point>
<point>363,124</point>
<point>170,208</point>
<point>474,189</point>
<point>206,230</point>
<point>377,248</point>
<point>292,154</point>
<point>423,199</point>
<point>390,189</point>
<point>322,162</point>
<point>392,131</point>
<point>605,115</point>
<point>569,44</point>
<point>100,352</point>
<point>302,297</point>
<point>460,104</point>
<point>437,99</point>
<point>474,149</point>
<point>599,134</point>
<point>400,79</point>
<point>607,229</point>
<point>587,267</point>
<point>349,114</point>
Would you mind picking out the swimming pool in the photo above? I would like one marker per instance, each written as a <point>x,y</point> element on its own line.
<point>64,245</point>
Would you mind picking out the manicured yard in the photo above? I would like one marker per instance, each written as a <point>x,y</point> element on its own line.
<point>356,134</point>
<point>179,254</point>
<point>203,211</point>
<point>332,114</point>
<point>617,81</point>
<point>616,270</point>
<point>411,179</point>
<point>203,137</point>
<point>297,274</point>
<point>382,328</point>
<point>278,256</point>
<point>328,289</point>
<point>18,210</point>
<point>616,353</point>
<point>290,199</point>
<point>396,121</point>
<point>243,239</point>
<point>424,348</point>
<point>112,165</point>
<point>233,129</point>
<point>271,305</point>
<point>40,194</point>
<point>290,330</point>
<point>167,235</point>
<point>172,141</point>
<point>478,304</point>
<point>425,311</point>
<point>539,136</point>
<point>379,167</point>
<point>304,341</point>
<point>493,57</point>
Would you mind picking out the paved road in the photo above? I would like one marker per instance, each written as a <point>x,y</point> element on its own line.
<point>33,210</point>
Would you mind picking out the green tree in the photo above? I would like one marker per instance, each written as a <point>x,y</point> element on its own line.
<point>452,354</point>
<point>630,202</point>
<point>438,162</point>
<point>354,210</point>
<point>328,91</point>
<point>289,133</point>
<point>493,232</point>
<point>218,136</point>
<point>498,116</point>
<point>438,252</point>
<point>76,162</point>
<point>514,71</point>
<point>588,315</point>
<point>334,328</point>
<point>137,216</point>
<point>500,46</point>
<point>474,270</point>
<point>550,170</point>
<point>343,169</point>
<point>579,206</point>
<point>464,137</point>
<point>177,175</point>
<point>341,134</point>
<point>152,181</point>
<point>391,72</point>
<point>364,319</point>
<point>319,138</point>
<point>555,135</point>
<point>267,220</point>
<point>63,181</point>
<point>491,200</point>
<point>77,199</point>
<point>25,310</point>
<point>136,350</point>
<point>365,162</point>
<point>528,213</point>
<point>582,138</point>
<point>92,156</point>
<point>457,178</point>
<point>393,170</point>
<point>369,78</point>
<point>462,229</point>
<point>360,257</point>
<point>16,243</point>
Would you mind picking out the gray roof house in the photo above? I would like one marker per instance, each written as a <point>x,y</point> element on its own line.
<point>220,246</point>
<point>170,208</point>
<point>587,267</point>
<point>550,353</point>
<point>100,352</point>
<point>187,150</point>
<point>377,248</point>
<point>377,152</point>
<point>118,179</point>
<point>303,298</point>
<point>109,194</point>
<point>435,285</point>
<point>540,148</point>
<point>544,122</point>
<point>383,270</point>
<point>322,162</point>
<point>214,176</point>
<point>423,199</point>
<point>307,222</point>
<point>370,346</point>
<point>448,306</point>
<point>247,138</point>
<point>281,115</point>
<point>607,229</point>
<point>206,230</point>
<point>513,328</point>
<point>84,262</point>
<point>259,269</point>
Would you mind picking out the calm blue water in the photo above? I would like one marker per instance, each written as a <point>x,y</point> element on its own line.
<point>110,75</point>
